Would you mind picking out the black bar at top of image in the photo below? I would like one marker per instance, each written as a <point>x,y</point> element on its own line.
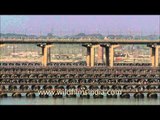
<point>65,7</point>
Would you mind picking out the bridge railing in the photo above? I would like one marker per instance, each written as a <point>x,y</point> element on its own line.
<point>59,40</point>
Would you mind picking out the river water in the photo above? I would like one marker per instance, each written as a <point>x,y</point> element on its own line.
<point>78,101</point>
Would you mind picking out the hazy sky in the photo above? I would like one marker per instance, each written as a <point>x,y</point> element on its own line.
<point>73,24</point>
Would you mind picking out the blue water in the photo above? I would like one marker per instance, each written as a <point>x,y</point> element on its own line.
<point>78,101</point>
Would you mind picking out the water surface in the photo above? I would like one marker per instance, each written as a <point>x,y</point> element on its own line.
<point>78,101</point>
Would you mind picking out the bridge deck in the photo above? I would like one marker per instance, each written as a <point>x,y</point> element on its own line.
<point>78,41</point>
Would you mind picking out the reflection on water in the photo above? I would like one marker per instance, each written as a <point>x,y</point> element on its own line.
<point>77,101</point>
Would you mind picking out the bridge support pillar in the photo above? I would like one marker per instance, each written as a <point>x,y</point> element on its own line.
<point>46,53</point>
<point>49,54</point>
<point>109,53</point>
<point>100,54</point>
<point>90,57</point>
<point>157,56</point>
<point>154,55</point>
<point>111,56</point>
